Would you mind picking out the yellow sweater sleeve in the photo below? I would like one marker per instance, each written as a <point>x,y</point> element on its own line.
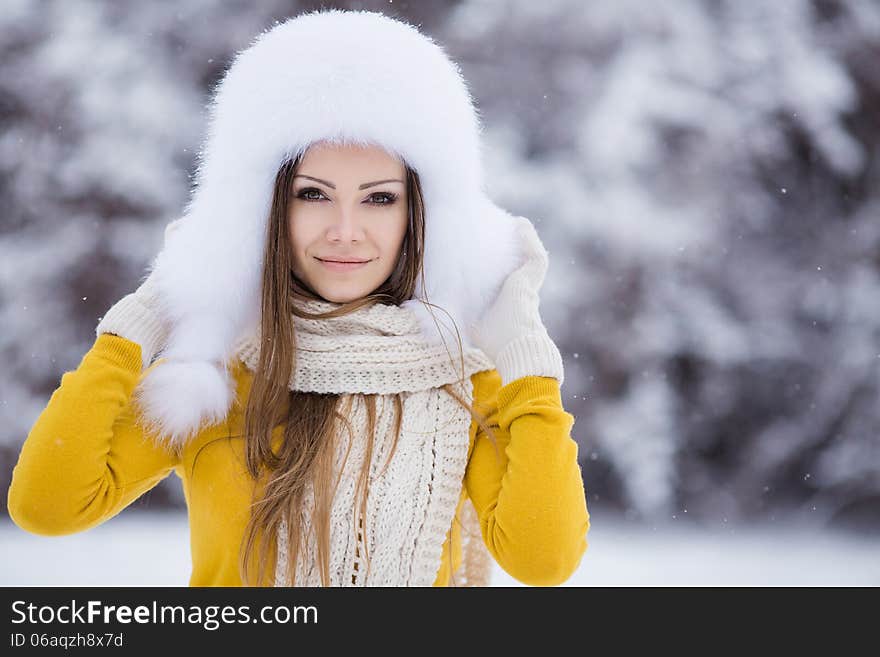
<point>85,459</point>
<point>529,494</point>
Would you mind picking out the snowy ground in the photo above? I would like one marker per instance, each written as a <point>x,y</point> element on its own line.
<point>145,548</point>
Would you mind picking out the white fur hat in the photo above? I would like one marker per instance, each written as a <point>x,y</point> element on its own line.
<point>333,74</point>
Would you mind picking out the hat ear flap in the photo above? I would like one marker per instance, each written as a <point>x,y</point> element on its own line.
<point>469,252</point>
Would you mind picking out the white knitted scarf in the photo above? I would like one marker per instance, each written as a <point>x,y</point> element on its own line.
<point>411,506</point>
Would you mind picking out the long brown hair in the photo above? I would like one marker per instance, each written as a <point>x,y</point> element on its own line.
<point>309,419</point>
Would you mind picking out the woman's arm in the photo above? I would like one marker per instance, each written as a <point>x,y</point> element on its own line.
<point>529,495</point>
<point>85,459</point>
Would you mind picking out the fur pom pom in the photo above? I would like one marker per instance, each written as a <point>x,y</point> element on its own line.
<point>177,399</point>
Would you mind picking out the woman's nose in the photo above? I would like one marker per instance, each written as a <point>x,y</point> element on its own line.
<point>345,226</point>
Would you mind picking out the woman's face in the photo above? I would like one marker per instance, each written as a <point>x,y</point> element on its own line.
<point>347,219</point>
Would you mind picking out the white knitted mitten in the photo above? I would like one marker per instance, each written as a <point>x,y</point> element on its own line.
<point>511,332</point>
<point>135,316</point>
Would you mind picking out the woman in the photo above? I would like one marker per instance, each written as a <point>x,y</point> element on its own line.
<point>325,430</point>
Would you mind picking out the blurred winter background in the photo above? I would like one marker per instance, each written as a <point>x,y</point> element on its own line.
<point>704,173</point>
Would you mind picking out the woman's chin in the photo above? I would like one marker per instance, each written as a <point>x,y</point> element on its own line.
<point>341,294</point>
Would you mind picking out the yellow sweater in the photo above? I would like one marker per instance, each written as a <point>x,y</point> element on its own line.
<point>85,460</point>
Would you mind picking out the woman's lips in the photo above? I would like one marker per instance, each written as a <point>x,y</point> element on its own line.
<point>341,266</point>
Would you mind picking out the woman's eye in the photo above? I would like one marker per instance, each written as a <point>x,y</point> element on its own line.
<point>304,194</point>
<point>387,198</point>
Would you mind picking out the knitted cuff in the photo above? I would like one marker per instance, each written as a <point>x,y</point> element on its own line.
<point>131,319</point>
<point>533,354</point>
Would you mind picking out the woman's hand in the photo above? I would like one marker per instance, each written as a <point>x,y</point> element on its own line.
<point>136,317</point>
<point>511,332</point>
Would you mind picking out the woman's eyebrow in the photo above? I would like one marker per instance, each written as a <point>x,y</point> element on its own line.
<point>332,186</point>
